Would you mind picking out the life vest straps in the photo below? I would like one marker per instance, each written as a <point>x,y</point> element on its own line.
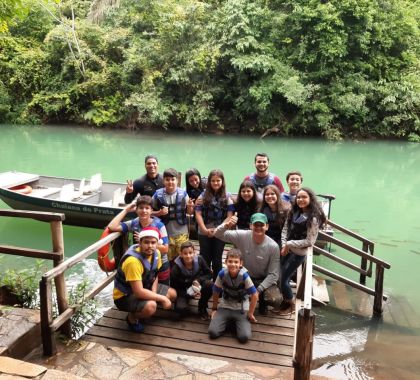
<point>184,270</point>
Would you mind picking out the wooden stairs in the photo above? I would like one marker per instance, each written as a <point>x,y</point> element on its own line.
<point>397,310</point>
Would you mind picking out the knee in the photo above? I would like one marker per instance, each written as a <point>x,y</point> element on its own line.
<point>213,334</point>
<point>150,308</point>
<point>243,338</point>
<point>172,294</point>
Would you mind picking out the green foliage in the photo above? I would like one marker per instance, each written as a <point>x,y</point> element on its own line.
<point>24,284</point>
<point>86,310</point>
<point>336,68</point>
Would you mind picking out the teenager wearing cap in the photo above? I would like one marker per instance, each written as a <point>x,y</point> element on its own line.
<point>261,256</point>
<point>136,287</point>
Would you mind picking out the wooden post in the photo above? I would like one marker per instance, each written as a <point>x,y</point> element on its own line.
<point>48,341</point>
<point>60,283</point>
<point>363,264</point>
<point>304,344</point>
<point>379,290</point>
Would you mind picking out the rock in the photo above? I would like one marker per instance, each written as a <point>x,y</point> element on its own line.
<point>18,367</point>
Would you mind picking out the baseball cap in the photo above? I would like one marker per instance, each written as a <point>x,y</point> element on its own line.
<point>259,217</point>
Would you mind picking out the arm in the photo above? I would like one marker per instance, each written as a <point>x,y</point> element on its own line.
<point>205,273</point>
<point>199,215</point>
<point>222,232</point>
<point>149,295</point>
<point>252,304</point>
<point>273,271</point>
<point>277,182</point>
<point>115,224</point>
<point>216,297</point>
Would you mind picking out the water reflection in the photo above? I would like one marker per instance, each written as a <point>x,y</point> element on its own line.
<point>347,346</point>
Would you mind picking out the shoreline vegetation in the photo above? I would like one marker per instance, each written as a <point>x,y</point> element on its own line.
<point>329,68</point>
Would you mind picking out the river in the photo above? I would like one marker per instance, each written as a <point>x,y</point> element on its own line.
<point>376,184</point>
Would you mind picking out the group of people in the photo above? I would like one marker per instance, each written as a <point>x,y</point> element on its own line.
<point>271,230</point>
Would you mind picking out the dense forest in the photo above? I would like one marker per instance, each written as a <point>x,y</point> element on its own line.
<point>332,68</point>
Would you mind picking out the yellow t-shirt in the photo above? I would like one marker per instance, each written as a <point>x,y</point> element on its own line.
<point>133,271</point>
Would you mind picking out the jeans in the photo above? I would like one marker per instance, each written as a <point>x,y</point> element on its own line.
<point>290,264</point>
<point>211,249</point>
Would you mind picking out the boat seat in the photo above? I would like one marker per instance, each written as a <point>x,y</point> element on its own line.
<point>67,193</point>
<point>44,192</point>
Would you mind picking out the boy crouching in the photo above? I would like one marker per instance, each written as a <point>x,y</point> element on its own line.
<point>136,288</point>
<point>191,278</point>
<point>236,288</point>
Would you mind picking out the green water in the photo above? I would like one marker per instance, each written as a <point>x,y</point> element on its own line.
<point>376,184</point>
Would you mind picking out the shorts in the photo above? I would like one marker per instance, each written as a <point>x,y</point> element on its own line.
<point>175,245</point>
<point>132,304</point>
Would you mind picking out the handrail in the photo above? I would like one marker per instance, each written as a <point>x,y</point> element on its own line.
<point>349,232</point>
<point>80,256</point>
<point>352,249</point>
<point>305,325</point>
<point>49,324</point>
<point>37,215</point>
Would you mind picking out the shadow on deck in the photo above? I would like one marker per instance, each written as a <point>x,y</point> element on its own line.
<point>271,344</point>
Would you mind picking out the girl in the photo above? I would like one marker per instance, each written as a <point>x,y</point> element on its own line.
<point>246,204</point>
<point>194,183</point>
<point>275,210</point>
<point>212,207</point>
<point>298,235</point>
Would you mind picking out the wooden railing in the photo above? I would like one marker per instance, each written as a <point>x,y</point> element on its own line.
<point>56,255</point>
<point>305,323</point>
<point>49,324</point>
<point>366,255</point>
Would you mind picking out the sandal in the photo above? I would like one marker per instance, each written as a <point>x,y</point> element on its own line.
<point>135,327</point>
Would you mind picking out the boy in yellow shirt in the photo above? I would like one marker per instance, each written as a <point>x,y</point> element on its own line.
<point>136,287</point>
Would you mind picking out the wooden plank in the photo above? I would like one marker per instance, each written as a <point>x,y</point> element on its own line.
<point>287,329</point>
<point>342,296</point>
<point>319,289</point>
<point>146,341</point>
<point>202,327</point>
<point>37,215</point>
<point>111,343</point>
<point>192,337</point>
<point>29,252</point>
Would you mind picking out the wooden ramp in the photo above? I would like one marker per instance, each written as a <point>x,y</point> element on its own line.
<point>271,344</point>
<point>397,310</point>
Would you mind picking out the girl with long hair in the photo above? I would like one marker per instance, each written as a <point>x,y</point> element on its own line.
<point>246,204</point>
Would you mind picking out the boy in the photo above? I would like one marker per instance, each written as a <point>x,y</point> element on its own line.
<point>172,204</point>
<point>143,209</point>
<point>234,306</point>
<point>136,288</point>
<point>191,278</point>
<point>294,181</point>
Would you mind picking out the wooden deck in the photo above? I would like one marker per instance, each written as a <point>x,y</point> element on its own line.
<point>271,344</point>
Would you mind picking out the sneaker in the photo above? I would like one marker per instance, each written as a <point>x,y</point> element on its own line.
<point>204,315</point>
<point>262,308</point>
<point>135,327</point>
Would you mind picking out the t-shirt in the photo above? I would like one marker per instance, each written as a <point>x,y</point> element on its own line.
<point>144,186</point>
<point>231,303</point>
<point>261,182</point>
<point>262,260</point>
<point>133,271</point>
<point>134,225</point>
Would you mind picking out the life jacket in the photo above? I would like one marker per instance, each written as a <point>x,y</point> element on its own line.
<point>149,270</point>
<point>274,228</point>
<point>186,272</point>
<point>298,227</point>
<point>260,183</point>
<point>216,210</point>
<point>136,226</point>
<point>175,211</point>
<point>234,288</point>
<point>244,217</point>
